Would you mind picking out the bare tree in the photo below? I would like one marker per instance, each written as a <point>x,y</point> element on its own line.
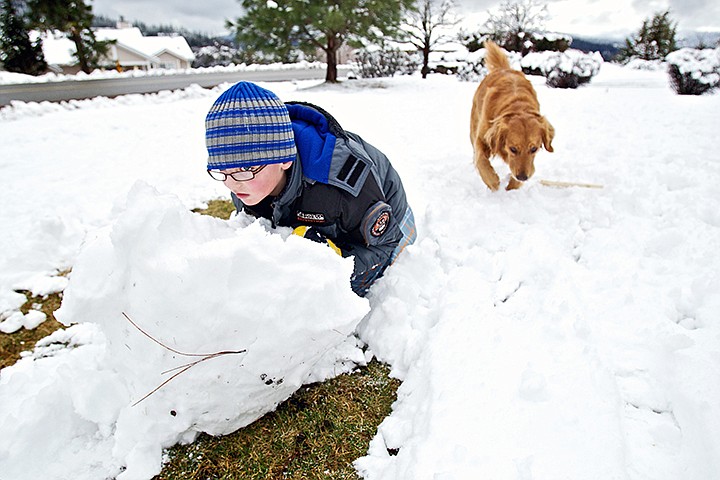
<point>427,27</point>
<point>514,22</point>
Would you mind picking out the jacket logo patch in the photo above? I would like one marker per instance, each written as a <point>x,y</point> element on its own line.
<point>381,224</point>
<point>310,217</point>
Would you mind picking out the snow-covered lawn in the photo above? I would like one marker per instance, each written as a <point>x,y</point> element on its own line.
<point>544,333</point>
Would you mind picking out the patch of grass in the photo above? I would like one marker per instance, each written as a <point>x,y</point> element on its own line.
<point>11,344</point>
<point>316,434</point>
<point>217,208</point>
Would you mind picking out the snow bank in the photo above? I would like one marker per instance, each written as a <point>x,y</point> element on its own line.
<point>18,110</point>
<point>281,305</point>
<point>12,78</point>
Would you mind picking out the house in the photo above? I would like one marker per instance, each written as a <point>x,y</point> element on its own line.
<point>58,51</point>
<point>130,50</point>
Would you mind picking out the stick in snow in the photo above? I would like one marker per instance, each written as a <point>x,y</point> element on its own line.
<point>555,183</point>
<point>181,368</point>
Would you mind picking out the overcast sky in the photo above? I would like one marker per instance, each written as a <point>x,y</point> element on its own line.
<point>587,18</point>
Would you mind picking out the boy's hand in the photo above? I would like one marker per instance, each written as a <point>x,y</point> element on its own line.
<point>312,234</point>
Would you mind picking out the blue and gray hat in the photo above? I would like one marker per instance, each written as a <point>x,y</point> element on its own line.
<point>247,126</point>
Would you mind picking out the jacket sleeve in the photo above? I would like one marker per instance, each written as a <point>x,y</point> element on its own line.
<point>370,263</point>
<point>375,232</point>
<point>374,219</point>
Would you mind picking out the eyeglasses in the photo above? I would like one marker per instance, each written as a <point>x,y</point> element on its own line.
<point>242,175</point>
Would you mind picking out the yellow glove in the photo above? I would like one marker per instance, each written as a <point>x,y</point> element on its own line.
<point>312,234</point>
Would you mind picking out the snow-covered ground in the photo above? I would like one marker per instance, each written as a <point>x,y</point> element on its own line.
<point>544,333</point>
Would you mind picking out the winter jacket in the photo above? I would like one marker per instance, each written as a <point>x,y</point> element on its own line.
<point>345,189</point>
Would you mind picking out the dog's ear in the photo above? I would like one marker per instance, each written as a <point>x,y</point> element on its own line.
<point>495,135</point>
<point>547,135</point>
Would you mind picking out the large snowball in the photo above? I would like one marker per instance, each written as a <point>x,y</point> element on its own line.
<point>200,286</point>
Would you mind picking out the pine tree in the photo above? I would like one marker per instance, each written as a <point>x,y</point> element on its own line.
<point>17,52</point>
<point>74,18</point>
<point>654,40</point>
<point>283,29</point>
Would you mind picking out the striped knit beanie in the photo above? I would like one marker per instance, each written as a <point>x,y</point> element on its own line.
<point>246,126</point>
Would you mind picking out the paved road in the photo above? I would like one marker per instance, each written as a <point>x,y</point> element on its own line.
<point>111,87</point>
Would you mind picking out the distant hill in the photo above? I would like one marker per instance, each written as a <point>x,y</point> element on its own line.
<point>698,39</point>
<point>607,48</point>
<point>194,39</point>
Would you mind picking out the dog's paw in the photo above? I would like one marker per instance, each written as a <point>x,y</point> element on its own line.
<point>491,180</point>
<point>513,184</point>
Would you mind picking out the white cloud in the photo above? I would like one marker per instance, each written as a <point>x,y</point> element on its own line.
<point>591,18</point>
<point>208,16</point>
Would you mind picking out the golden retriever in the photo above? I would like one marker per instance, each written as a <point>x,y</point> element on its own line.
<point>506,121</point>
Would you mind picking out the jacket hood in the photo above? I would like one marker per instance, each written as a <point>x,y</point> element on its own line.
<point>316,133</point>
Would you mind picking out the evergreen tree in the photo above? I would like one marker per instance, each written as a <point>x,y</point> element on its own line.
<point>194,39</point>
<point>17,52</point>
<point>654,40</point>
<point>285,28</point>
<point>424,25</point>
<point>101,21</point>
<point>74,18</point>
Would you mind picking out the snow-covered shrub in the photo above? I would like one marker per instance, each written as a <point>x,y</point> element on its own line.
<point>567,69</point>
<point>386,63</point>
<point>448,59</point>
<point>214,55</point>
<point>640,64</point>
<point>473,69</point>
<point>694,72</point>
<point>545,41</point>
<point>533,62</point>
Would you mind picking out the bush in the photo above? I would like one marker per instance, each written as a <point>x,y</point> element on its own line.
<point>567,69</point>
<point>448,59</point>
<point>694,72</point>
<point>214,55</point>
<point>472,68</point>
<point>547,41</point>
<point>386,63</point>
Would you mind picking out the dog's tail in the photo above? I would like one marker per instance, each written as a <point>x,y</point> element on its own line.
<point>495,58</point>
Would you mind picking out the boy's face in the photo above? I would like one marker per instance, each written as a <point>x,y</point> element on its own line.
<point>268,181</point>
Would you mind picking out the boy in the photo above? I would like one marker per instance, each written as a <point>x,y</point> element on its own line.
<point>294,165</point>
